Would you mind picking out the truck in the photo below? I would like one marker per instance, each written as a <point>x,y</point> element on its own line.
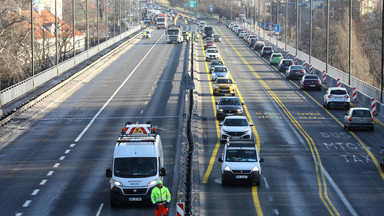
<point>174,34</point>
<point>162,21</point>
<point>137,164</point>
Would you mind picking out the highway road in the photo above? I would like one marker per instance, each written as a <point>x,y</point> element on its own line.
<point>312,165</point>
<point>54,162</point>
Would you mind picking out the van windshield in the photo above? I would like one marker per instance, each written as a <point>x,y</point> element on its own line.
<point>241,156</point>
<point>135,167</point>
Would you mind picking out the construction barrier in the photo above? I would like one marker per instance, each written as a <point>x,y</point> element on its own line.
<point>338,82</point>
<point>354,94</point>
<point>295,59</point>
<point>373,106</point>
<point>180,209</point>
<point>324,77</point>
<point>310,70</point>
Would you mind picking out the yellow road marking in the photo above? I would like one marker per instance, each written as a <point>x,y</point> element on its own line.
<point>315,155</point>
<point>217,146</point>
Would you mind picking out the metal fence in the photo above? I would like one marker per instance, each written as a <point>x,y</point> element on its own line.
<point>11,93</point>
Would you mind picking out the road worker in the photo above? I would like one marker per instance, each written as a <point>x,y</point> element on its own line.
<point>161,198</point>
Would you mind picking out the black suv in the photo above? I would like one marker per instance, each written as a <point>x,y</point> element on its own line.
<point>229,106</point>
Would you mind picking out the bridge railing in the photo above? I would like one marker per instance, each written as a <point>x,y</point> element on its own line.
<point>15,91</point>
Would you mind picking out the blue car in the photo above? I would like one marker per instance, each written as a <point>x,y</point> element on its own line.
<point>285,64</point>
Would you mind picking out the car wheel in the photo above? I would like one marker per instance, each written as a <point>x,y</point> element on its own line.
<point>224,181</point>
<point>348,128</point>
<point>327,106</point>
<point>233,94</point>
<point>206,59</point>
<point>347,106</point>
<point>257,182</point>
<point>372,129</point>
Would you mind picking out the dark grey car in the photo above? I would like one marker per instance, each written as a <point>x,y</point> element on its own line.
<point>228,106</point>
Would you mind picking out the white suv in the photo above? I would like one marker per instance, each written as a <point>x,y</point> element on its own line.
<point>240,162</point>
<point>336,97</point>
<point>235,127</point>
<point>211,54</point>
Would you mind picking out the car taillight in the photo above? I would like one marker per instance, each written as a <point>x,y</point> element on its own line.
<point>329,96</point>
<point>302,71</point>
<point>271,58</point>
<point>291,71</point>
<point>350,119</point>
<point>347,96</point>
<point>318,81</point>
<point>372,120</point>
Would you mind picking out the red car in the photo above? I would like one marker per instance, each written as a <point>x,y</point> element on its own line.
<point>209,43</point>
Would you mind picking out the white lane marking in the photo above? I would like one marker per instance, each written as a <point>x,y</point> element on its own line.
<point>146,102</point>
<point>275,211</point>
<point>26,204</point>
<point>56,165</point>
<point>270,198</point>
<point>72,145</point>
<point>35,192</point>
<point>149,95</point>
<point>338,192</point>
<point>43,181</point>
<point>100,208</point>
<point>67,151</point>
<point>153,87</point>
<point>266,183</point>
<point>18,214</point>
<point>141,111</point>
<point>62,158</point>
<point>115,93</point>
<point>50,173</point>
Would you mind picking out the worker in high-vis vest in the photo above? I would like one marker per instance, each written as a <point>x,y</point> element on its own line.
<point>161,198</point>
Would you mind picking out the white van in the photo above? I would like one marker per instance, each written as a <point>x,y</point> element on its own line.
<point>240,162</point>
<point>137,164</point>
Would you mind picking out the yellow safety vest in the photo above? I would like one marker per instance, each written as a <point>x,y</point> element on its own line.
<point>160,195</point>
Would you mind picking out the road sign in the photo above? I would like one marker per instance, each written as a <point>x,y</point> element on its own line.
<point>277,29</point>
<point>211,8</point>
<point>270,23</point>
<point>192,3</point>
<point>185,5</point>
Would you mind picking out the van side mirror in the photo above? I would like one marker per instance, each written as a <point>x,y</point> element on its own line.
<point>220,159</point>
<point>108,173</point>
<point>261,160</point>
<point>220,124</point>
<point>217,103</point>
<point>242,104</point>
<point>251,125</point>
<point>163,172</point>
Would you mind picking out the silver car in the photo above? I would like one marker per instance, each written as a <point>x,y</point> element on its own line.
<point>235,127</point>
<point>219,71</point>
<point>359,118</point>
<point>336,97</point>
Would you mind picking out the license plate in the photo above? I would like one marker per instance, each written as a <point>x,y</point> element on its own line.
<point>229,114</point>
<point>241,176</point>
<point>298,73</point>
<point>135,199</point>
<point>235,137</point>
<point>312,85</point>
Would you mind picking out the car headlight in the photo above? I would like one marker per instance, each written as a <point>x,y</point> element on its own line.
<point>215,86</point>
<point>239,110</point>
<point>220,110</point>
<point>117,183</point>
<point>152,183</point>
<point>247,131</point>
<point>255,169</point>
<point>227,168</point>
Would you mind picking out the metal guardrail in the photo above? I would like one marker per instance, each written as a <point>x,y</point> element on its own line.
<point>13,92</point>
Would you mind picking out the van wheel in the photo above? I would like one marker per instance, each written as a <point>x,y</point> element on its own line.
<point>224,182</point>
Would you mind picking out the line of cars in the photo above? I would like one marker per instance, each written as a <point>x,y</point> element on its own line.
<point>240,161</point>
<point>335,97</point>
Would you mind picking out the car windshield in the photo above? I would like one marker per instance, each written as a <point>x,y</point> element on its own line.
<point>229,101</point>
<point>287,63</point>
<point>173,32</point>
<point>297,67</point>
<point>338,92</point>
<point>209,42</point>
<point>267,48</point>
<point>311,78</point>
<point>240,155</point>
<point>135,167</point>
<point>216,62</point>
<point>220,69</point>
<point>224,81</point>
<point>236,122</point>
<point>212,51</point>
<point>277,55</point>
<point>361,113</point>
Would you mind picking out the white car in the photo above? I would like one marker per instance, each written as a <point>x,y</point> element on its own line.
<point>240,162</point>
<point>235,127</point>
<point>336,97</point>
<point>219,71</point>
<point>212,54</point>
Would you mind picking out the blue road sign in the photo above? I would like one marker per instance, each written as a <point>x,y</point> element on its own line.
<point>211,8</point>
<point>270,23</point>
<point>277,29</point>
